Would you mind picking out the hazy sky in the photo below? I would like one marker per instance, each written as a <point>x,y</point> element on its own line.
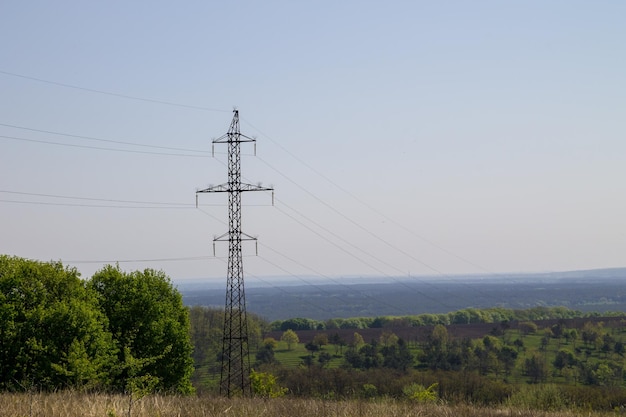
<point>401,137</point>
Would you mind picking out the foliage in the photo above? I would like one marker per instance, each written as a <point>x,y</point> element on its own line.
<point>290,337</point>
<point>266,385</point>
<point>52,333</point>
<point>148,320</point>
<point>417,392</point>
<point>300,324</point>
<point>547,397</point>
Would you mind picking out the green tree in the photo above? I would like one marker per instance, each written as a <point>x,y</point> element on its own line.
<point>52,332</point>
<point>397,356</point>
<point>148,320</point>
<point>265,355</point>
<point>527,327</point>
<point>320,339</point>
<point>387,339</point>
<point>207,327</point>
<point>536,368</point>
<point>290,337</point>
<point>357,341</point>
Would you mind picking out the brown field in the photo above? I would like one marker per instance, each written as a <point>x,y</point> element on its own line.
<point>72,404</point>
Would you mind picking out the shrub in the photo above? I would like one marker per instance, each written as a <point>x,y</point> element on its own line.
<point>417,392</point>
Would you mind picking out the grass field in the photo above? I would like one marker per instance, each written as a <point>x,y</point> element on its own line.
<point>73,404</point>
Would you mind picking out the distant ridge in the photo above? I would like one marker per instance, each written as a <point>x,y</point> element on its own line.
<point>598,290</point>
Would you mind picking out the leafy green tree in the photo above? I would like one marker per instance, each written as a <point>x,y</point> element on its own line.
<point>388,339</point>
<point>207,327</point>
<point>591,333</point>
<point>527,327</point>
<point>270,342</point>
<point>536,368</point>
<point>397,356</point>
<point>507,356</point>
<point>320,339</point>
<point>148,320</point>
<point>52,332</point>
<point>265,355</point>
<point>357,341</point>
<point>435,352</point>
<point>290,337</point>
<point>563,359</point>
<point>338,342</point>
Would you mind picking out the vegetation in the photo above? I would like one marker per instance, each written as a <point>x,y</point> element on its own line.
<point>129,333</point>
<point>496,315</point>
<point>118,331</point>
<point>72,404</point>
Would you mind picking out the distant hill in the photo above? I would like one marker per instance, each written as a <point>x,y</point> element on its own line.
<point>594,290</point>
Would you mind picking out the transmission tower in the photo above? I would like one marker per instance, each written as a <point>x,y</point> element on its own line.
<point>235,374</point>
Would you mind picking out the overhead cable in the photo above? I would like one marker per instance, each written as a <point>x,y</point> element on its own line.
<point>125,96</point>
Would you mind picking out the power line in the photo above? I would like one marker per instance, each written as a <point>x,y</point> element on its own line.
<point>125,96</point>
<point>337,282</point>
<point>96,199</point>
<point>113,261</point>
<point>368,206</point>
<point>138,204</point>
<point>383,273</point>
<point>363,228</point>
<point>309,269</point>
<point>302,299</point>
<point>46,203</point>
<point>102,140</point>
<point>101,148</point>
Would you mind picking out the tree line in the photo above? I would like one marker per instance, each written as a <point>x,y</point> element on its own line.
<point>464,316</point>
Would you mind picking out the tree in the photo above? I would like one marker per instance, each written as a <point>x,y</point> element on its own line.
<point>320,339</point>
<point>397,356</point>
<point>388,339</point>
<point>270,342</point>
<point>265,355</point>
<point>563,359</point>
<point>357,341</point>
<point>435,353</point>
<point>591,333</point>
<point>507,356</point>
<point>324,358</point>
<point>52,332</point>
<point>338,342</point>
<point>290,337</point>
<point>527,327</point>
<point>148,320</point>
<point>535,367</point>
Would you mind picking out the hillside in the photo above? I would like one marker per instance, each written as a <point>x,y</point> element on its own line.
<point>595,290</point>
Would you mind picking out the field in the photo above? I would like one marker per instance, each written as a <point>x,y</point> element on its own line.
<point>73,404</point>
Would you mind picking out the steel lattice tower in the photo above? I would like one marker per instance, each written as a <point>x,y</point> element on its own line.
<point>235,374</point>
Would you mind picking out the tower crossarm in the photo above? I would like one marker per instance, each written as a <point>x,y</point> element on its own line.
<point>226,188</point>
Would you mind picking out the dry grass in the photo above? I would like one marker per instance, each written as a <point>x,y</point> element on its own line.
<point>72,404</point>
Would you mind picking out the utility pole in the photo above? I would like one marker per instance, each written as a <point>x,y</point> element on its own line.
<point>235,374</point>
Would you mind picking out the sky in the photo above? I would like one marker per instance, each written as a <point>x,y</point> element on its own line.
<point>402,138</point>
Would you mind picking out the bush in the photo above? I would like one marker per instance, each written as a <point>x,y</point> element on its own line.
<point>417,392</point>
<point>546,397</point>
